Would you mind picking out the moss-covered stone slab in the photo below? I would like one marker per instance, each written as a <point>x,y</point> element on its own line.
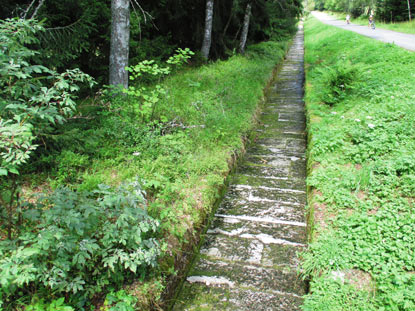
<point>296,103</point>
<point>266,194</point>
<point>278,210</point>
<point>262,228</point>
<point>282,182</point>
<point>260,278</point>
<point>250,251</point>
<point>200,297</point>
<point>276,255</point>
<point>262,147</point>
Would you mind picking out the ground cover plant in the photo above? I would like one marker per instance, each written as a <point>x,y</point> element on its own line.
<point>360,97</point>
<point>145,166</point>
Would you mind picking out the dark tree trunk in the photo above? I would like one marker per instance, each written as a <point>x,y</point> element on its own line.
<point>229,21</point>
<point>244,34</point>
<point>207,39</point>
<point>409,10</point>
<point>120,39</point>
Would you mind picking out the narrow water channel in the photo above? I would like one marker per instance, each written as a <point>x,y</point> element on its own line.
<point>249,257</point>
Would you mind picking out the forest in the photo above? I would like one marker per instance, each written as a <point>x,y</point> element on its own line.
<point>102,188</point>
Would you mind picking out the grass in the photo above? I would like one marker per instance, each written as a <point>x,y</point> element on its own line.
<point>405,27</point>
<point>359,97</point>
<point>181,161</point>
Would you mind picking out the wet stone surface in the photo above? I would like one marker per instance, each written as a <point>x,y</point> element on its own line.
<point>249,260</point>
<point>284,280</point>
<point>201,297</point>
<point>266,230</point>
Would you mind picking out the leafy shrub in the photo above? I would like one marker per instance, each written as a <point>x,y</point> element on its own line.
<point>339,79</point>
<point>146,99</point>
<point>119,301</point>
<point>33,97</point>
<point>398,292</point>
<point>55,305</point>
<point>78,243</point>
<point>329,294</point>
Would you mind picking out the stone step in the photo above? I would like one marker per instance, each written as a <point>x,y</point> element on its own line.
<point>279,148</point>
<point>237,275</point>
<point>264,132</point>
<point>286,85</point>
<point>280,115</point>
<point>287,104</point>
<point>266,168</point>
<point>287,142</point>
<point>286,210</point>
<point>293,73</point>
<point>288,126</point>
<point>266,229</point>
<point>267,171</point>
<point>273,183</point>
<point>199,296</point>
<point>250,251</point>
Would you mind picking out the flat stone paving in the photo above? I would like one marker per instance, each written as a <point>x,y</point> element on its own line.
<point>249,257</point>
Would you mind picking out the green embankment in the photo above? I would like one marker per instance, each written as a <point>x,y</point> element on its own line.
<point>405,27</point>
<point>181,159</point>
<point>360,96</point>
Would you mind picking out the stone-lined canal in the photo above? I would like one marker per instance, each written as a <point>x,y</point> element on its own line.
<point>249,257</point>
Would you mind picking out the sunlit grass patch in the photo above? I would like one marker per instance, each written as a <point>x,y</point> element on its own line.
<point>362,138</point>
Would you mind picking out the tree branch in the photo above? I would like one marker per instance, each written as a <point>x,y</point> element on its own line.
<point>28,9</point>
<point>37,9</point>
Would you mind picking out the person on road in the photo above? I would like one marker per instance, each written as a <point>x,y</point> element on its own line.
<point>371,21</point>
<point>348,19</point>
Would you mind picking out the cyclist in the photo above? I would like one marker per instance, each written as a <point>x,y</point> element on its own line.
<point>371,21</point>
<point>348,19</point>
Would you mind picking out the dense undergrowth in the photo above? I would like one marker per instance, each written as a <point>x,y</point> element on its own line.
<point>113,194</point>
<point>360,96</point>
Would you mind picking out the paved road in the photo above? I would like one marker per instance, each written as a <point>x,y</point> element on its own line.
<point>407,41</point>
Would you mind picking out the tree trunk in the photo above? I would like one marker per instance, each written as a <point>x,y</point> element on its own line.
<point>244,34</point>
<point>120,41</point>
<point>229,21</point>
<point>207,40</point>
<point>409,10</point>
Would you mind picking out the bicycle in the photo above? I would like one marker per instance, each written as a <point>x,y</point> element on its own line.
<point>371,22</point>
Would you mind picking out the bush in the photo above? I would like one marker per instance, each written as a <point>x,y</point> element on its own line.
<point>55,305</point>
<point>339,80</point>
<point>33,97</point>
<point>79,243</point>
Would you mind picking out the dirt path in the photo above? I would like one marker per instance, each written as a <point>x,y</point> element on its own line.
<point>407,41</point>
<point>249,257</point>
